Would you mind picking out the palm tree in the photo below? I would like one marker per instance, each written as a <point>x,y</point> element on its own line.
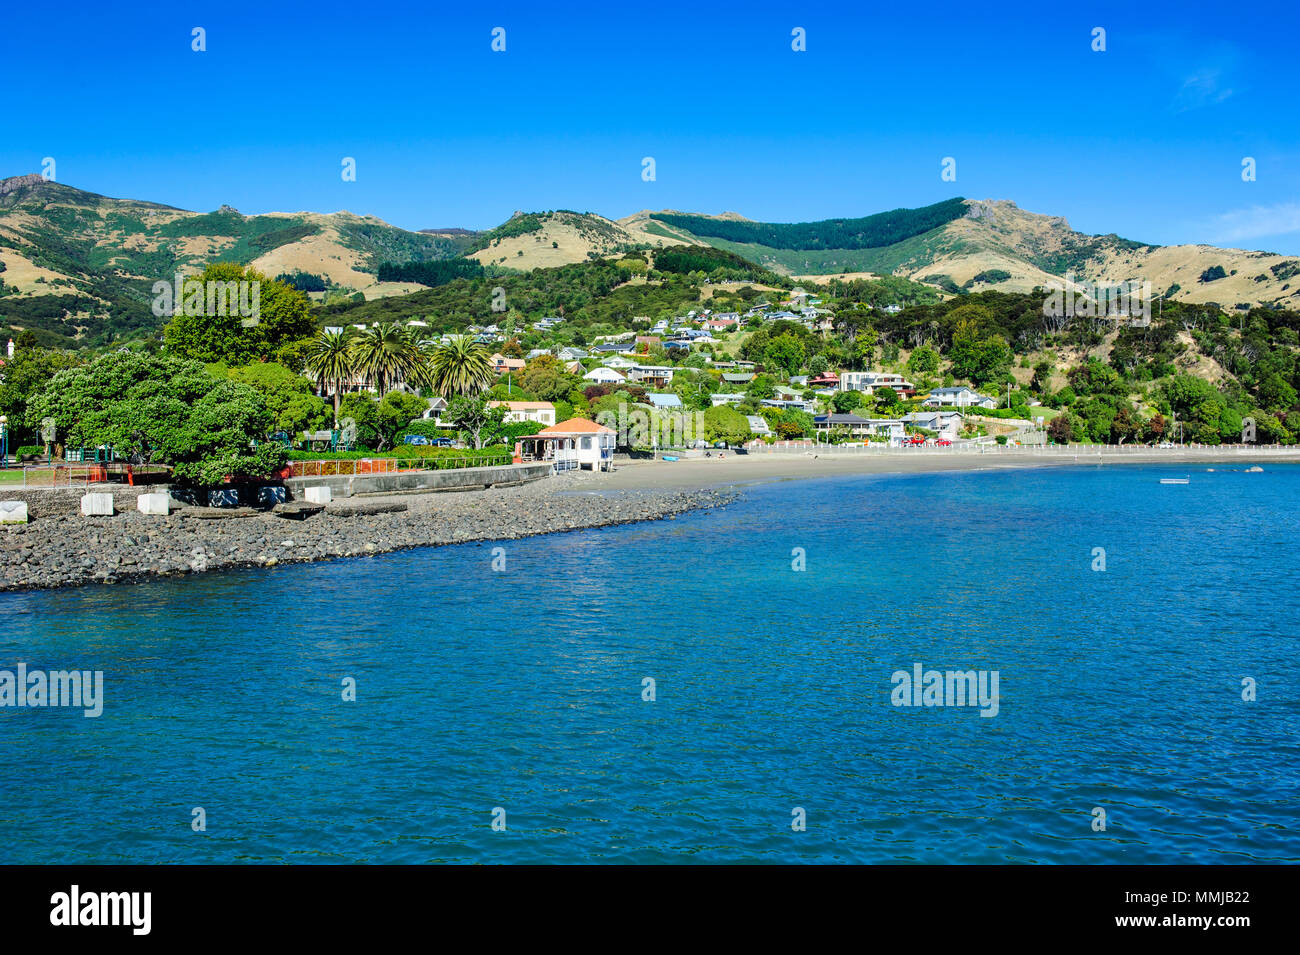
<point>330,360</point>
<point>460,366</point>
<point>385,353</point>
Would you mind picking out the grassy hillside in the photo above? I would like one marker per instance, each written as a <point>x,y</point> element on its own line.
<point>76,267</point>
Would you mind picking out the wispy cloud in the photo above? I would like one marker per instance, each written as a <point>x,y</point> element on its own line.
<point>1257,222</point>
<point>1205,87</point>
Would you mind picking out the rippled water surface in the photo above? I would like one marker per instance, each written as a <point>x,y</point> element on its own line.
<point>522,689</point>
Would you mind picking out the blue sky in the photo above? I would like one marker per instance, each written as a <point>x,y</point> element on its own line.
<point>1145,139</point>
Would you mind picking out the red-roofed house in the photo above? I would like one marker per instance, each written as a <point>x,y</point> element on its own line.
<point>576,443</point>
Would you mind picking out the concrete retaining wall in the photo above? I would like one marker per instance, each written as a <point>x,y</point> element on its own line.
<point>47,502</point>
<point>348,485</point>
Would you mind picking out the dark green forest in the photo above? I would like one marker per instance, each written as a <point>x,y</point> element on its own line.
<point>867,232</point>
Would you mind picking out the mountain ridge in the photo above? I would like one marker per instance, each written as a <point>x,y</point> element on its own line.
<point>79,264</point>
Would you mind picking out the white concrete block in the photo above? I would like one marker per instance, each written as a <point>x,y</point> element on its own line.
<point>97,505</point>
<point>318,495</point>
<point>154,504</point>
<point>13,512</point>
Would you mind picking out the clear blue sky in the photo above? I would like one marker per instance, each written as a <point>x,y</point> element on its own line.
<point>1145,139</point>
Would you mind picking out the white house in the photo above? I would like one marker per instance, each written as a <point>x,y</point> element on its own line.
<point>618,361</point>
<point>961,397</point>
<point>604,375</point>
<point>723,398</point>
<point>758,425</point>
<point>517,412</point>
<point>947,424</point>
<point>869,381</point>
<point>436,407</point>
<point>576,443</point>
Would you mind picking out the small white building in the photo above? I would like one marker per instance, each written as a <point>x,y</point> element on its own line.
<point>960,397</point>
<point>604,376</point>
<point>517,412</point>
<point>573,444</point>
<point>868,381</point>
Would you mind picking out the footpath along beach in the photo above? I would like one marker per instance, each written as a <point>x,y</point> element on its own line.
<point>61,548</point>
<point>740,469</point>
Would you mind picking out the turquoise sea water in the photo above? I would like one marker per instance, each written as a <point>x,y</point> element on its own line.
<point>522,689</point>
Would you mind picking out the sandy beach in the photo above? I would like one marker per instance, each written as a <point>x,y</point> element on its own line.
<point>740,469</point>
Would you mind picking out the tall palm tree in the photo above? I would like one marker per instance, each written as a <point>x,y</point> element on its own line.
<point>330,360</point>
<point>460,366</point>
<point>385,354</point>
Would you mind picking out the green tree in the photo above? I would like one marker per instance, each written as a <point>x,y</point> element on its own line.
<point>785,353</point>
<point>163,410</point>
<point>1275,394</point>
<point>386,354</point>
<point>394,414</point>
<point>283,317</point>
<point>545,377</point>
<point>289,398</point>
<point>330,360</point>
<point>923,360</point>
<point>25,375</point>
<point>460,366</point>
<point>845,402</point>
<point>471,414</point>
<point>726,424</point>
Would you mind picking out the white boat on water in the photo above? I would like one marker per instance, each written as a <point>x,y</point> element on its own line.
<point>1173,480</point>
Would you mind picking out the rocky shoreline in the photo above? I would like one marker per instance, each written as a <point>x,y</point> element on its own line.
<point>63,550</point>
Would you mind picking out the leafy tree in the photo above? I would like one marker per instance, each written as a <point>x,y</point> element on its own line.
<point>923,360</point>
<point>26,374</point>
<point>785,353</point>
<point>394,415</point>
<point>887,401</point>
<point>977,359</point>
<point>163,410</point>
<point>1042,377</point>
<point>762,386</point>
<point>545,377</point>
<point>1059,429</point>
<point>289,398</point>
<point>1275,394</point>
<point>283,317</point>
<point>726,424</point>
<point>472,414</point>
<point>362,410</point>
<point>845,402</point>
